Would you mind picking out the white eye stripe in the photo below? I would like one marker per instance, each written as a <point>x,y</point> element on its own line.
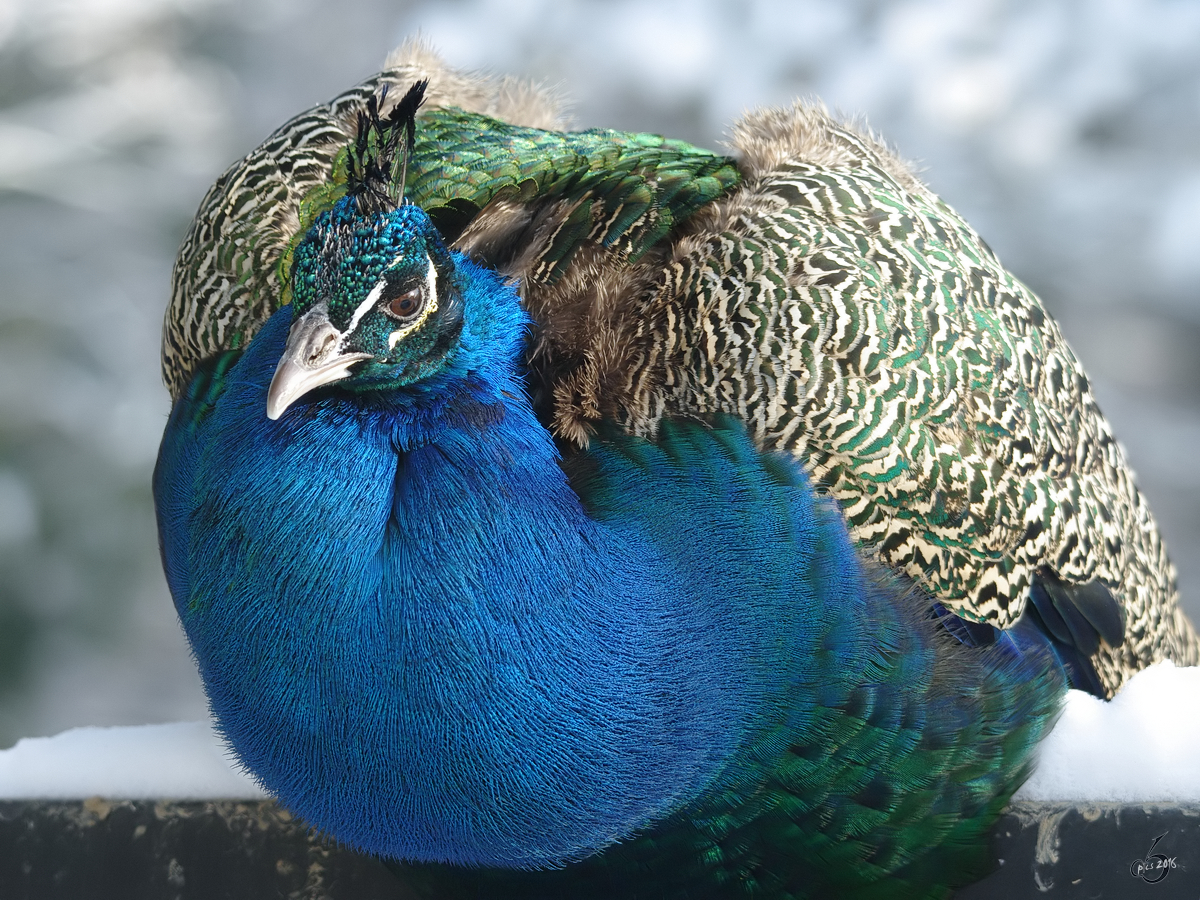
<point>431,281</point>
<point>430,308</point>
<point>365,307</point>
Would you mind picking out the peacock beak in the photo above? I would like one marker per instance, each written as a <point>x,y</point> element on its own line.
<point>312,357</point>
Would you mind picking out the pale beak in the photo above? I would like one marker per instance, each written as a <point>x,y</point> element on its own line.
<point>313,357</point>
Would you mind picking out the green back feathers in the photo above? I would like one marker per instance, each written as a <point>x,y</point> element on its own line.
<point>630,190</point>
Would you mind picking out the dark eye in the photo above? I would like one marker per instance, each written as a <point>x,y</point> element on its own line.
<point>405,306</point>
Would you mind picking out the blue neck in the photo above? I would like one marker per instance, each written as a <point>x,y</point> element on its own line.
<point>427,623</point>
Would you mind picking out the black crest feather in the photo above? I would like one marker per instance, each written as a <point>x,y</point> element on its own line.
<point>379,156</point>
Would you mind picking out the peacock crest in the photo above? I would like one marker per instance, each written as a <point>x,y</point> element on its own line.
<point>378,158</point>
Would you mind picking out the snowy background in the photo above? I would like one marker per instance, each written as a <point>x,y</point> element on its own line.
<point>1066,131</point>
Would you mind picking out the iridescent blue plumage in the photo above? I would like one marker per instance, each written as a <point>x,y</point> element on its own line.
<point>434,608</point>
<point>661,664</point>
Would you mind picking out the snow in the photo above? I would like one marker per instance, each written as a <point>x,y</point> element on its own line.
<point>1141,747</point>
<point>180,760</point>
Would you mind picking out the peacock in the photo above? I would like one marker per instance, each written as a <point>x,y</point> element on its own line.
<point>582,513</point>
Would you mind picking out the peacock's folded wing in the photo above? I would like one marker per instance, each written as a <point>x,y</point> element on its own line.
<point>857,321</point>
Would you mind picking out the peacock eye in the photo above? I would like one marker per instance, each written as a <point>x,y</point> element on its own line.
<point>405,306</point>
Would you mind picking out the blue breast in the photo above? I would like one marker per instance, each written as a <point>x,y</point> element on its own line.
<point>426,645</point>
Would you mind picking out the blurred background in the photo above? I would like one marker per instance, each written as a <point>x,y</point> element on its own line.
<point>1066,131</point>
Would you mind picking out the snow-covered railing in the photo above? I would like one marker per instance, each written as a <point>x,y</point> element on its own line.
<point>1113,811</point>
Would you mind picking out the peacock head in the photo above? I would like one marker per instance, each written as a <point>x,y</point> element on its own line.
<point>376,303</point>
